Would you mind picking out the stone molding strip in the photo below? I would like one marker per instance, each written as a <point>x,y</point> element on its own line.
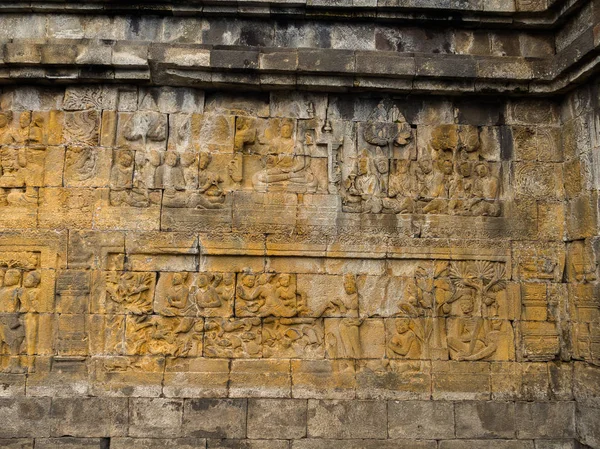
<point>511,13</point>
<point>254,68</point>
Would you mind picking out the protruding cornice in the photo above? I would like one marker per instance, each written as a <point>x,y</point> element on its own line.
<point>529,14</point>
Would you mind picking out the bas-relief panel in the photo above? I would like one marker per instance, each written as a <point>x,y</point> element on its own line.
<point>118,162</point>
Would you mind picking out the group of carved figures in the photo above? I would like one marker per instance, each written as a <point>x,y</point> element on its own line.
<point>422,186</point>
<point>185,178</point>
<point>300,156</point>
<point>448,311</point>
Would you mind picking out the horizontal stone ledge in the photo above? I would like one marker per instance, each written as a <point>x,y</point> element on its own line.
<point>312,69</point>
<point>509,12</point>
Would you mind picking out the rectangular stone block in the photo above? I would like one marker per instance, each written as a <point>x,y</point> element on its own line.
<point>248,444</point>
<point>323,379</point>
<point>155,417</point>
<point>393,379</point>
<point>311,443</point>
<point>196,377</point>
<point>347,419</point>
<point>260,378</point>
<point>461,381</point>
<point>486,444</point>
<point>90,417</point>
<point>431,420</point>
<point>17,443</point>
<point>157,443</point>
<point>483,419</point>
<point>215,418</point>
<point>71,443</point>
<point>24,417</point>
<point>545,419</point>
<point>277,418</point>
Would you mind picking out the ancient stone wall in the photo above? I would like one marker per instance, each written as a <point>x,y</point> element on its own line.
<point>299,225</point>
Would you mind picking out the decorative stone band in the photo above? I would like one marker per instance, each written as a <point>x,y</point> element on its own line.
<point>311,69</point>
<point>519,12</point>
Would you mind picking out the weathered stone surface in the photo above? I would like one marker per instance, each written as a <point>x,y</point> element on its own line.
<point>308,224</point>
<point>486,420</point>
<point>215,418</point>
<point>155,417</point>
<point>274,418</point>
<point>347,419</point>
<point>421,419</point>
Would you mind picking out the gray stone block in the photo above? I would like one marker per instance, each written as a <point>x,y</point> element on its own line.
<point>347,419</point>
<point>157,443</point>
<point>234,58</point>
<point>484,419</point>
<point>556,444</point>
<point>385,63</point>
<point>25,417</point>
<point>277,418</point>
<point>363,444</point>
<point>20,443</point>
<point>90,417</point>
<point>215,418</point>
<point>155,417</point>
<point>545,419</point>
<point>486,444</point>
<point>333,61</point>
<point>421,419</point>
<point>71,443</point>
<point>247,444</point>
<point>588,425</point>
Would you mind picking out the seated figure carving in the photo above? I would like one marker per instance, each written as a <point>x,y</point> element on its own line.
<point>287,168</point>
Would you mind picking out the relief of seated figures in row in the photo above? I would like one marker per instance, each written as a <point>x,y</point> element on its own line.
<point>185,178</point>
<point>446,175</point>
<point>448,310</point>
<point>424,186</point>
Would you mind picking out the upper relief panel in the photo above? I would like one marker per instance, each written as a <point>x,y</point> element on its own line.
<point>173,159</point>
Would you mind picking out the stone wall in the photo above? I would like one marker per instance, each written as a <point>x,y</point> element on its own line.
<point>299,225</point>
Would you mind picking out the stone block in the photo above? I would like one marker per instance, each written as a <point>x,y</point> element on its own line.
<point>556,444</point>
<point>196,377</point>
<point>260,378</point>
<point>155,417</point>
<point>324,60</point>
<point>318,443</point>
<point>157,443</point>
<point>483,419</point>
<point>545,419</point>
<point>90,417</point>
<point>459,381</point>
<point>17,443</point>
<point>277,418</point>
<point>247,444</point>
<point>347,419</point>
<point>588,425</point>
<point>323,379</point>
<point>71,443</point>
<point>486,444</point>
<point>234,59</point>
<point>428,420</point>
<point>215,418</point>
<point>24,417</point>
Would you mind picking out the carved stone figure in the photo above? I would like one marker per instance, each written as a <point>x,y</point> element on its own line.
<point>12,327</point>
<point>267,295</point>
<point>132,291</point>
<point>233,337</point>
<point>349,326</point>
<point>286,168</point>
<point>362,189</point>
<point>405,343</point>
